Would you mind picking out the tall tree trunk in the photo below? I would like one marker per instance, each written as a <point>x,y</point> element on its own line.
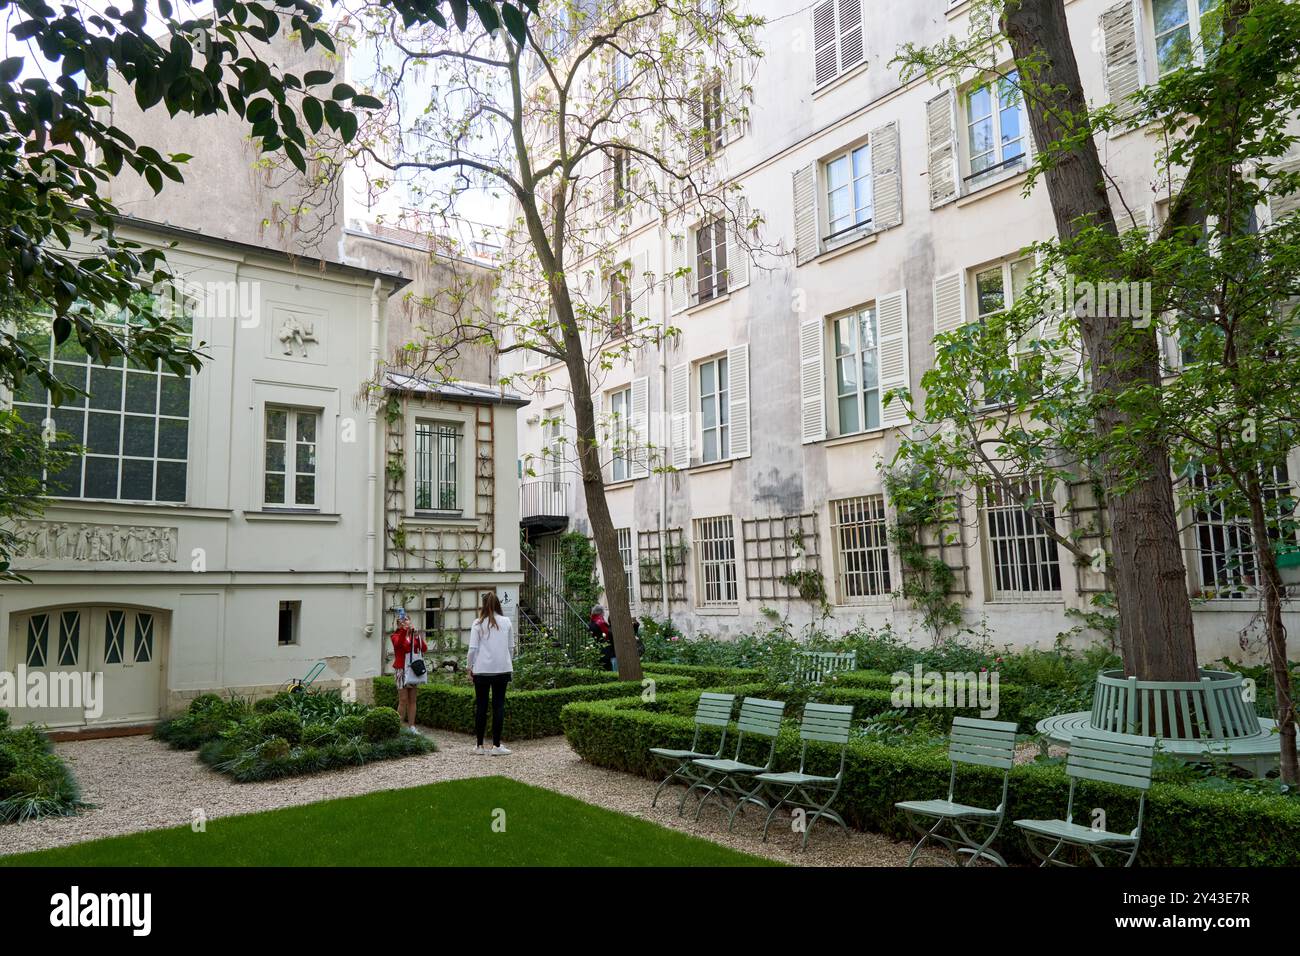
<point>1155,612</point>
<point>593,488</point>
<point>1274,596</point>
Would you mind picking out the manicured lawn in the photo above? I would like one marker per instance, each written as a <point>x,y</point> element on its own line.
<point>445,824</point>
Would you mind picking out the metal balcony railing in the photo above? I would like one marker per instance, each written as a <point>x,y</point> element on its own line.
<point>543,499</point>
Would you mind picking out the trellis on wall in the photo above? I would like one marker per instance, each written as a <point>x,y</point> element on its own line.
<point>947,540</point>
<point>1089,526</point>
<point>429,549</point>
<point>776,551</point>
<point>650,571</point>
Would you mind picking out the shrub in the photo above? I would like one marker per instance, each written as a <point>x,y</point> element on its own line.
<point>354,725</point>
<point>8,760</point>
<point>382,723</point>
<point>313,735</point>
<point>275,748</point>
<point>529,713</point>
<point>280,723</point>
<point>1185,825</point>
<point>34,782</point>
<point>706,675</point>
<point>205,702</point>
<point>4,720</point>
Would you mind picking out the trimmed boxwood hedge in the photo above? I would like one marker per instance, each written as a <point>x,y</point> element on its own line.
<point>706,675</point>
<point>1184,826</point>
<point>529,713</point>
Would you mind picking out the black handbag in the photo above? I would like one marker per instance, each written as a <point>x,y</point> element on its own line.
<point>418,667</point>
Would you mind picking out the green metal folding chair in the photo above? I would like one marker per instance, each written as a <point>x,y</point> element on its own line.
<point>1122,759</point>
<point>713,710</point>
<point>985,743</point>
<point>826,723</point>
<point>723,779</point>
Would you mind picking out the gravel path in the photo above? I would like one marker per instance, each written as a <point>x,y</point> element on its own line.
<point>138,784</point>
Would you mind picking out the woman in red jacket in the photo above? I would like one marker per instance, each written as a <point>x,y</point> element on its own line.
<point>408,645</point>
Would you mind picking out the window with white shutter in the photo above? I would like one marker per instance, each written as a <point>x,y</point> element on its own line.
<point>679,386</point>
<point>738,398</point>
<point>639,431</point>
<point>996,130</point>
<point>837,38</point>
<point>806,240</point>
<point>870,359</point>
<point>1121,51</point>
<point>941,138</point>
<point>812,381</point>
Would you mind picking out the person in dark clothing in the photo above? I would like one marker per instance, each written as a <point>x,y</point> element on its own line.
<point>603,635</point>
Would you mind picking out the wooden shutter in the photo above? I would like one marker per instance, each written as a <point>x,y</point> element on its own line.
<point>643,290</point>
<point>680,283</point>
<point>806,240</point>
<point>680,387</point>
<point>734,115</point>
<point>738,399</point>
<point>886,178</point>
<point>738,249</point>
<point>1120,45</point>
<point>602,433</point>
<point>949,303</point>
<point>891,329</point>
<point>812,380</point>
<point>941,131</point>
<point>825,42</point>
<point>695,124</point>
<point>850,30</point>
<point>639,457</point>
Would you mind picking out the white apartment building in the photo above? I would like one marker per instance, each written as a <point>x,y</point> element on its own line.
<point>901,211</point>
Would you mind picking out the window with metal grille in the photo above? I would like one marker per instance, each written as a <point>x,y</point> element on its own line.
<point>625,554</point>
<point>1023,560</point>
<point>997,127</point>
<point>710,260</point>
<point>131,424</point>
<point>861,549</point>
<point>1225,543</point>
<point>715,561</point>
<point>437,474</point>
<point>290,475</point>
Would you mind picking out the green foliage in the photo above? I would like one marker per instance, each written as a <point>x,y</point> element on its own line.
<point>34,782</point>
<point>529,713</point>
<point>922,508</point>
<point>382,723</point>
<point>1185,825</point>
<point>353,725</point>
<point>24,458</point>
<point>578,562</point>
<point>279,724</point>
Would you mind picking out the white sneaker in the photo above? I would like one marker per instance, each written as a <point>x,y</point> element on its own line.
<point>412,730</point>
<point>499,751</point>
<point>479,751</point>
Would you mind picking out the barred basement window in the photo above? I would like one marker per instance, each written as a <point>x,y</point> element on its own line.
<point>861,549</point>
<point>437,476</point>
<point>715,561</point>
<point>1024,561</point>
<point>1225,543</point>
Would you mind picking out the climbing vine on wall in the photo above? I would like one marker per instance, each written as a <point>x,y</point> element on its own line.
<point>922,508</point>
<point>578,565</point>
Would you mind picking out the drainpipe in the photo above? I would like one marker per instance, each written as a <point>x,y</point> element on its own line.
<point>372,478</point>
<point>665,401</point>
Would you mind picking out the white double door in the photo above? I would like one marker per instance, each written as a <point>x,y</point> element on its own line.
<point>123,647</point>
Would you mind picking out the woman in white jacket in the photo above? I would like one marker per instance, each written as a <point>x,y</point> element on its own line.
<point>491,663</point>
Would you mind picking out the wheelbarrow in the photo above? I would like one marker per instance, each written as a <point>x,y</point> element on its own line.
<point>300,685</point>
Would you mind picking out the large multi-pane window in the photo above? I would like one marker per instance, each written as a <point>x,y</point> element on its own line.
<point>290,474</point>
<point>715,424</point>
<point>996,125</point>
<point>848,191</point>
<point>1184,30</point>
<point>1225,543</point>
<point>857,371</point>
<point>133,421</point>
<point>711,260</point>
<point>620,301</point>
<point>620,432</point>
<point>1024,560</point>
<point>715,561</point>
<point>710,132</point>
<point>437,469</point>
<point>861,548</point>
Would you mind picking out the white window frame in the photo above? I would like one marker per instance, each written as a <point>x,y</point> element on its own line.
<point>860,536</point>
<point>290,472</point>
<point>715,562</point>
<point>1019,555</point>
<point>711,132</point>
<point>435,469</point>
<point>859,223</point>
<point>720,400</point>
<point>717,273</point>
<point>619,427</point>
<point>1002,165</point>
<point>839,358</point>
<point>1010,295</point>
<point>1195,33</point>
<point>627,554</point>
<point>1225,546</point>
<point>619,284</point>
